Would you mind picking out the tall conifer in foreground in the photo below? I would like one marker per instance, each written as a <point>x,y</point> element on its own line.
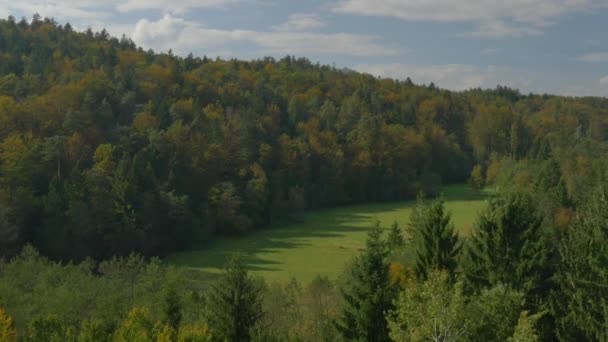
<point>395,239</point>
<point>581,299</point>
<point>235,304</point>
<point>509,247</point>
<point>435,240</point>
<point>368,295</point>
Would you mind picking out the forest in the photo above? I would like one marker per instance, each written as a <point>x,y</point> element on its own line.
<point>112,156</point>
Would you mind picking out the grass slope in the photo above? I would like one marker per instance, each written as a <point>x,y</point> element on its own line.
<point>324,242</point>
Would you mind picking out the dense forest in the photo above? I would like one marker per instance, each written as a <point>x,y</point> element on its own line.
<point>107,150</point>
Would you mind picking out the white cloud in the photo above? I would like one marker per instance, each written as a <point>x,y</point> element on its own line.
<point>604,81</point>
<point>174,6</point>
<point>596,57</point>
<point>301,22</point>
<point>94,9</point>
<point>493,18</point>
<point>181,35</point>
<point>59,9</point>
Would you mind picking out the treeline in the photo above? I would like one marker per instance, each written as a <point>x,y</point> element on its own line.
<point>514,279</point>
<point>107,149</point>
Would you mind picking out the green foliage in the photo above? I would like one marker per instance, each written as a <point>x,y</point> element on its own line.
<point>368,294</point>
<point>509,247</point>
<point>300,313</point>
<point>172,308</point>
<point>433,309</point>
<point>326,240</point>
<point>395,239</point>
<point>48,328</point>
<point>477,179</point>
<point>137,327</point>
<point>159,150</point>
<point>95,330</point>
<point>235,304</point>
<point>525,330</point>
<point>582,277</point>
<point>194,333</point>
<point>106,149</point>
<point>494,313</point>
<point>435,239</point>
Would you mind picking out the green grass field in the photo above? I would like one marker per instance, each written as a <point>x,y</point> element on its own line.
<point>323,242</point>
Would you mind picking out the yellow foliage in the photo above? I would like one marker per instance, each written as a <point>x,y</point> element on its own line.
<point>164,333</point>
<point>136,328</point>
<point>397,274</point>
<point>144,122</point>
<point>7,329</point>
<point>104,155</point>
<point>493,169</point>
<point>194,333</point>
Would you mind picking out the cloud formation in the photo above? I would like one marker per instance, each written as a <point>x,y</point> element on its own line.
<point>172,6</point>
<point>94,9</point>
<point>171,32</point>
<point>492,18</point>
<point>60,9</point>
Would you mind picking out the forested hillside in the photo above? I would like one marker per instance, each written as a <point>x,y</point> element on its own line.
<point>107,149</point>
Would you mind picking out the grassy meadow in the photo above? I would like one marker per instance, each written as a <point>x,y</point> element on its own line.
<point>324,241</point>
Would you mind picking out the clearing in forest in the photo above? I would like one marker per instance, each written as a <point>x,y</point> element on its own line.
<point>324,242</point>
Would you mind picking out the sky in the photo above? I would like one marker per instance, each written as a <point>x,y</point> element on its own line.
<point>541,46</point>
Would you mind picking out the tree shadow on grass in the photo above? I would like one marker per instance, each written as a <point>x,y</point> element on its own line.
<point>325,223</point>
<point>215,254</point>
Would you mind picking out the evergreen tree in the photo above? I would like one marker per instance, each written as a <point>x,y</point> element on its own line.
<point>395,239</point>
<point>368,295</point>
<point>581,299</point>
<point>509,247</point>
<point>235,303</point>
<point>437,244</point>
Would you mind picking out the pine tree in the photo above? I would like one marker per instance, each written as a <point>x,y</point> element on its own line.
<point>235,303</point>
<point>509,247</point>
<point>368,295</point>
<point>395,239</point>
<point>581,302</point>
<point>437,244</point>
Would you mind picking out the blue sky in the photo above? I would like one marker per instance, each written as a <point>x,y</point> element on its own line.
<point>552,46</point>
